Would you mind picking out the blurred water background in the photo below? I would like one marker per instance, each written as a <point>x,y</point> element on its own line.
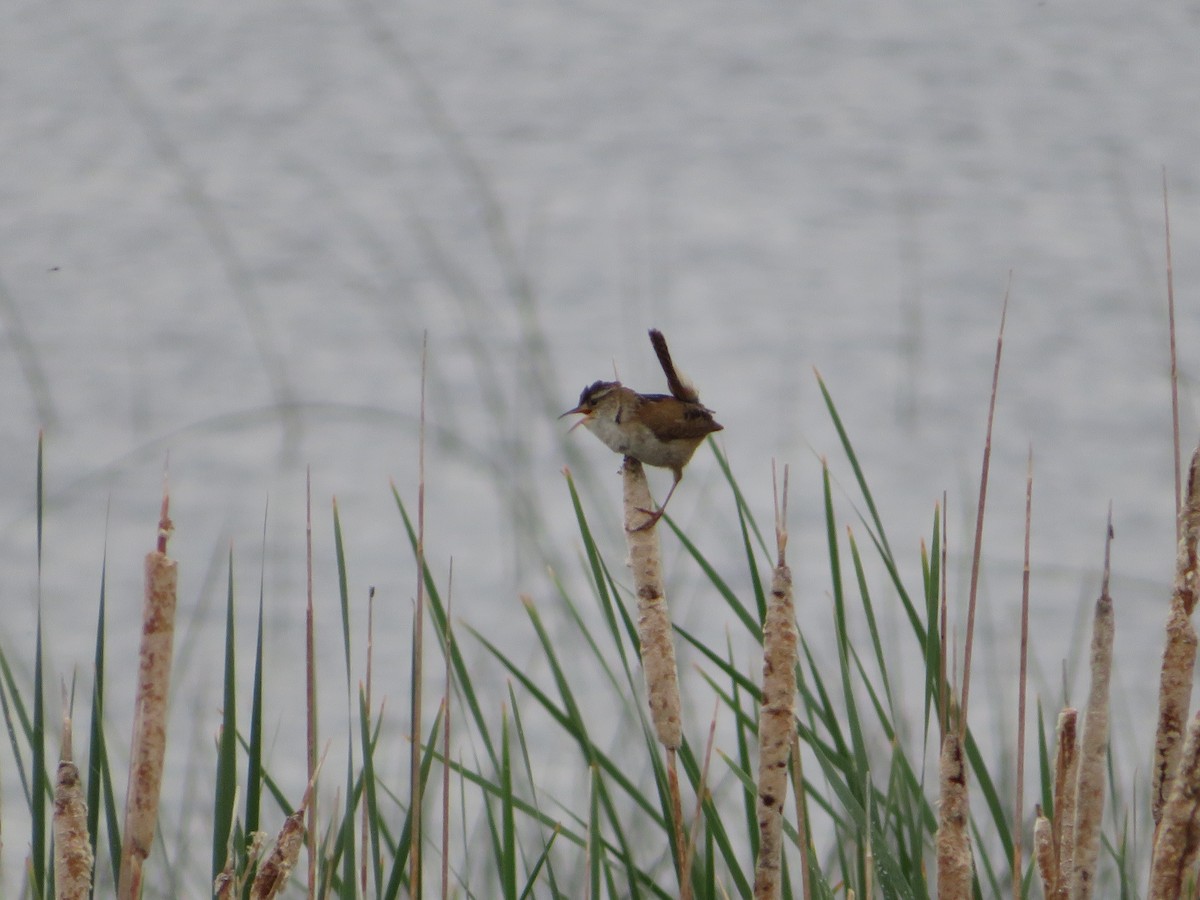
<point>226,229</point>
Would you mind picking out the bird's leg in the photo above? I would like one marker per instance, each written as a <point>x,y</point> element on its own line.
<point>656,514</point>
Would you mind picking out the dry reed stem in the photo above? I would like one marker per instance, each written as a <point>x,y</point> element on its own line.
<point>681,836</point>
<point>72,849</point>
<point>776,717</point>
<point>1089,803</point>
<point>149,742</point>
<point>310,688</point>
<point>701,791</point>
<point>1178,838</point>
<point>1022,682</point>
<point>953,842</point>
<point>448,650</point>
<point>1179,654</point>
<point>945,694</point>
<point>977,552</point>
<point>1066,773</point>
<point>364,822</point>
<point>797,769</point>
<point>416,786</point>
<point>654,621</point>
<point>1171,338</point>
<point>1043,852</point>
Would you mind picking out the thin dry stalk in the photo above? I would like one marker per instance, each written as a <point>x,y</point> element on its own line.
<point>364,824</point>
<point>72,849</point>
<point>149,742</point>
<point>310,694</point>
<point>701,791</point>
<point>654,620</point>
<point>1094,744</point>
<point>681,836</point>
<point>776,716</point>
<point>797,769</point>
<point>1043,851</point>
<point>977,553</point>
<point>1022,677</point>
<point>945,694</point>
<point>1066,775</point>
<point>416,788</point>
<point>449,675</point>
<point>1171,336</point>
<point>953,842</point>
<point>1178,838</point>
<point>1179,654</point>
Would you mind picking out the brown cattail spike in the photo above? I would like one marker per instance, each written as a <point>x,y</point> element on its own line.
<point>72,849</point>
<point>148,745</point>
<point>1093,747</point>
<point>776,720</point>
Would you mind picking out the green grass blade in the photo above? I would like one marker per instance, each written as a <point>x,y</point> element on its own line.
<point>40,783</point>
<point>595,845</point>
<point>11,702</point>
<point>397,878</point>
<point>347,839</point>
<point>544,860</point>
<point>852,458</point>
<point>1045,766</point>
<point>254,744</point>
<point>99,776</point>
<point>437,609</point>
<point>602,583</point>
<point>226,779</point>
<point>370,794</point>
<point>743,507</point>
<point>508,825</point>
<point>748,618</point>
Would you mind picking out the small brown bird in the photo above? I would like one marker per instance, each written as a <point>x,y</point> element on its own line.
<point>657,429</point>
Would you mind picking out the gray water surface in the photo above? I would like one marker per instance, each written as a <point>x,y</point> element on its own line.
<point>225,229</point>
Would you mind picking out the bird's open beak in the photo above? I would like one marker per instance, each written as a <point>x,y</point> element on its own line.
<point>585,411</point>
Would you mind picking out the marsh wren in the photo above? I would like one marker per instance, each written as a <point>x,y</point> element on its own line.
<point>657,429</point>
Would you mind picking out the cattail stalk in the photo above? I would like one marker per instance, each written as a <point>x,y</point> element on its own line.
<point>277,867</point>
<point>1066,774</point>
<point>953,842</point>
<point>1179,654</point>
<point>1093,747</point>
<point>654,619</point>
<point>72,849</point>
<point>776,724</point>
<point>657,648</point>
<point>149,742</point>
<point>1043,852</point>
<point>1178,838</point>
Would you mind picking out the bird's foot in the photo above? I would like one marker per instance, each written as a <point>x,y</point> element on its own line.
<point>654,516</point>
